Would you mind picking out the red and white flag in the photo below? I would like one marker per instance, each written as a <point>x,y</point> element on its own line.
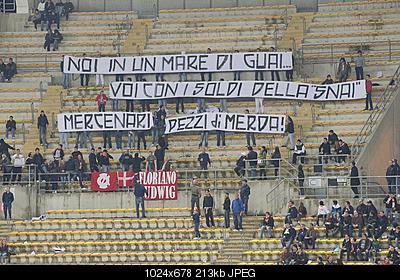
<point>125,178</point>
<point>103,181</point>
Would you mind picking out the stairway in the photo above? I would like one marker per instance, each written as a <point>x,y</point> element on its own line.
<point>238,242</point>
<point>5,228</point>
<point>293,35</point>
<point>51,105</point>
<point>138,36</point>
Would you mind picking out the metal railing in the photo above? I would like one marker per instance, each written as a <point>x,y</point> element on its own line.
<point>376,116</point>
<point>332,51</point>
<point>7,6</point>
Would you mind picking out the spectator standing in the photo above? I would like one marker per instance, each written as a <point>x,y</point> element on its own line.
<point>6,167</point>
<point>84,77</point>
<point>119,77</point>
<point>391,172</point>
<point>262,163</point>
<point>208,205</point>
<point>203,139</point>
<point>237,210</point>
<point>343,70</point>
<point>250,135</point>
<point>2,70</point>
<point>42,126</point>
<point>4,148</point>
<point>290,132</point>
<point>151,162</point>
<point>137,163</point>
<point>118,139</point>
<point>368,89</point>
<point>48,40</point>
<point>300,176</point>
<point>11,126</point>
<point>236,74</point>
<point>101,100</point>
<point>107,139</point>
<point>274,74</point>
<point>359,62</point>
<point>57,38</point>
<point>390,205</point>
<point>289,73</point>
<point>159,153</point>
<point>324,151</point>
<point>343,151</point>
<point>7,200</point>
<point>18,163</point>
<point>204,161</point>
<point>196,222</point>
<point>354,179</point>
<point>196,194</point>
<point>42,11</point>
<point>227,210</point>
<point>93,161</point>
<point>99,77</point>
<point>125,160</point>
<point>66,76</point>
<point>251,161</point>
<point>104,161</point>
<point>245,195</point>
<point>139,191</point>
<point>276,160</point>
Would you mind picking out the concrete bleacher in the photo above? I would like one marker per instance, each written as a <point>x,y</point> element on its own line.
<point>91,236</point>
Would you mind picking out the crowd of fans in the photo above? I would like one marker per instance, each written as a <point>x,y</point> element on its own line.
<point>364,229</point>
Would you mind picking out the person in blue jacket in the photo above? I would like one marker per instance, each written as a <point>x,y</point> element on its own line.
<point>237,210</point>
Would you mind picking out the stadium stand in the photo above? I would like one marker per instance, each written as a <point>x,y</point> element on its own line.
<point>165,236</point>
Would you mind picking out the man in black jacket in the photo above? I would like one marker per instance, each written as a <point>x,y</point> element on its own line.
<point>390,205</point>
<point>8,199</point>
<point>93,161</point>
<point>391,172</point>
<point>324,150</point>
<point>125,160</point>
<point>245,194</point>
<point>42,124</point>
<point>288,236</point>
<point>362,209</point>
<point>208,205</point>
<point>346,247</point>
<point>137,163</point>
<point>159,153</point>
<point>204,160</point>
<point>328,80</point>
<point>11,126</point>
<point>382,224</point>
<point>292,213</point>
<point>139,190</point>
<point>354,179</point>
<point>363,248</point>
<point>343,151</point>
<point>227,210</point>
<point>251,162</point>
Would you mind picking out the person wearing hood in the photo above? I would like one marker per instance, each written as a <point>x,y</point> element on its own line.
<point>137,163</point>
<point>4,148</point>
<point>240,163</point>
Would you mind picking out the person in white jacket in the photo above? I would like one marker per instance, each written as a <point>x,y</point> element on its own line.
<point>18,163</point>
<point>299,151</point>
<point>322,212</point>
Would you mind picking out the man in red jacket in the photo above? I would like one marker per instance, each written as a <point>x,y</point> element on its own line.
<point>368,86</point>
<point>101,99</point>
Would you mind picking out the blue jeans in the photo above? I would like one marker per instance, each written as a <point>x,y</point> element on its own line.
<point>64,139</point>
<point>196,230</point>
<point>7,210</point>
<point>66,80</point>
<point>204,139</point>
<point>42,135</point>
<point>12,130</point>
<point>201,104</point>
<point>155,134</point>
<point>359,73</point>
<point>227,221</point>
<point>139,201</point>
<point>237,221</point>
<point>114,105</point>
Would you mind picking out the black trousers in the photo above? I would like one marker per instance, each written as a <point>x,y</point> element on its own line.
<point>179,103</point>
<point>143,138</point>
<point>129,106</point>
<point>107,139</point>
<point>86,77</point>
<point>209,217</point>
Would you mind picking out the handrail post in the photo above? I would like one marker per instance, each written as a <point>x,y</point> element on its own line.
<point>32,112</point>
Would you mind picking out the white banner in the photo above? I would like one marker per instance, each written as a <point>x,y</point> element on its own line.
<point>236,89</point>
<point>227,122</point>
<point>188,63</point>
<point>100,121</point>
